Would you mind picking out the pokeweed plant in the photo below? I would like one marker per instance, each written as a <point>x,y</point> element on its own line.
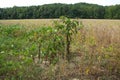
<point>53,42</point>
<point>46,42</point>
<point>67,27</point>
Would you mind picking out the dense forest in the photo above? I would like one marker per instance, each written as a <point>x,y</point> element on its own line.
<point>78,10</point>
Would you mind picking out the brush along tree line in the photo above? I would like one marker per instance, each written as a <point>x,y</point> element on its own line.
<point>78,10</point>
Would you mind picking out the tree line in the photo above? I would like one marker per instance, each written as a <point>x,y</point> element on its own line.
<point>78,10</point>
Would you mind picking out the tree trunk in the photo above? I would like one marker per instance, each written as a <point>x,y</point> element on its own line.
<point>67,48</point>
<point>39,51</point>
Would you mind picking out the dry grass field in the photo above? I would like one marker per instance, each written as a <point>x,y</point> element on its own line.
<point>95,50</point>
<point>49,22</point>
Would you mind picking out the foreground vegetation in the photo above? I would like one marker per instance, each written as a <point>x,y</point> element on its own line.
<point>94,52</point>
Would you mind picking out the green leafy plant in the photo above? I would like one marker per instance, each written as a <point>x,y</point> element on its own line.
<point>46,44</point>
<point>67,28</point>
<point>13,55</point>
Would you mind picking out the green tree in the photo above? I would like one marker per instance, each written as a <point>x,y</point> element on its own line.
<point>67,28</point>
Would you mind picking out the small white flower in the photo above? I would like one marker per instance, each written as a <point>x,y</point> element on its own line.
<point>2,52</point>
<point>12,45</point>
<point>55,30</point>
<point>31,55</point>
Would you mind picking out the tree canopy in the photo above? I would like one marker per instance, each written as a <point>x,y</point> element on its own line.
<point>78,10</point>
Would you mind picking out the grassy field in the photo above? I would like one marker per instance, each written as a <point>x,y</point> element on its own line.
<point>95,51</point>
